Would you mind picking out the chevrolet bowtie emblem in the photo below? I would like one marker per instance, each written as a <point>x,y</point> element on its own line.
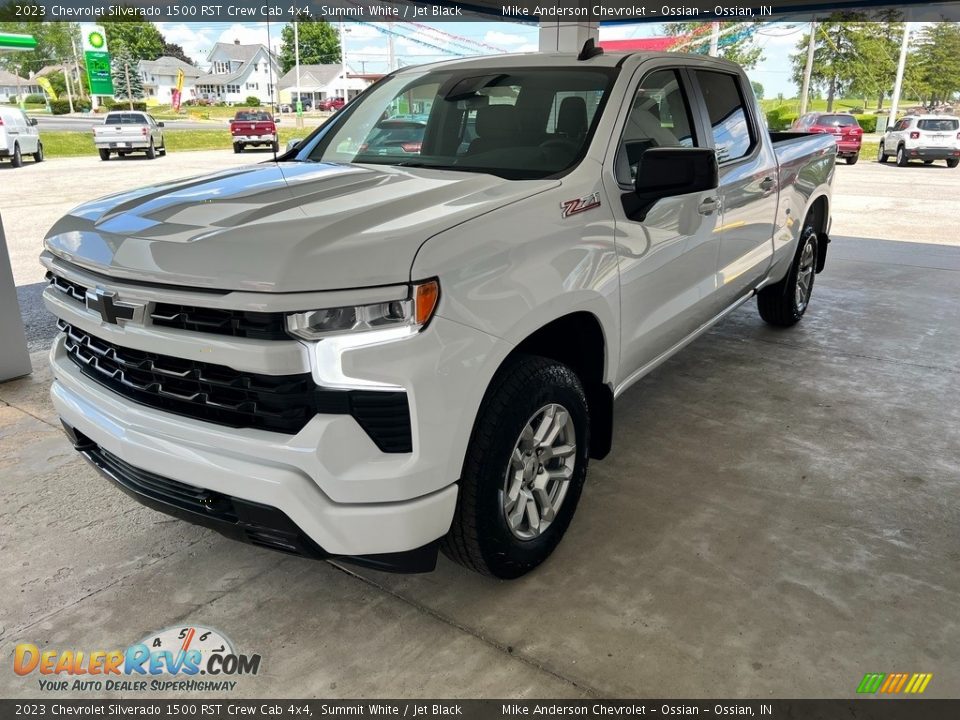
<point>105,303</point>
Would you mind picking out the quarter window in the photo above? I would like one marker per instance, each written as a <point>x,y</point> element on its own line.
<point>733,137</point>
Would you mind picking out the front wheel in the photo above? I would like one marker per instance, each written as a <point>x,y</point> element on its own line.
<point>524,469</point>
<point>852,160</point>
<point>785,302</point>
<point>38,155</point>
<point>902,158</point>
<point>953,162</point>
<point>881,155</point>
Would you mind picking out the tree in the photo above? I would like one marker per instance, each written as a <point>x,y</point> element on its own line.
<point>839,58</point>
<point>736,43</point>
<point>937,59</point>
<point>757,89</point>
<point>127,83</point>
<point>319,45</point>
<point>53,45</point>
<point>176,51</point>
<point>138,40</point>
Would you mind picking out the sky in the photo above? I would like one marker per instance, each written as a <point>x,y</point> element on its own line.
<point>367,43</point>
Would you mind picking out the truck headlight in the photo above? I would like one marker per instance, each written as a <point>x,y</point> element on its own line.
<point>411,313</point>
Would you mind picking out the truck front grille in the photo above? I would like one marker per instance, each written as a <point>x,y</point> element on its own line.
<point>224,396</point>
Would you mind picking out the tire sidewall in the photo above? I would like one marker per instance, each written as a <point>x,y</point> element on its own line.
<point>17,159</point>
<point>806,237</point>
<point>505,554</point>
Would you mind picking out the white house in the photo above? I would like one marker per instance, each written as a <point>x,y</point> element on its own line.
<point>13,87</point>
<point>237,72</point>
<point>318,82</point>
<point>160,79</point>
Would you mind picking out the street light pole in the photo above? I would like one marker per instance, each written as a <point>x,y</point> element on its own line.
<point>901,65</point>
<point>296,60</point>
<point>808,69</point>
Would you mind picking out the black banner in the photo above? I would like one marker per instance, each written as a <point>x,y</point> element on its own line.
<point>607,11</point>
<point>224,709</point>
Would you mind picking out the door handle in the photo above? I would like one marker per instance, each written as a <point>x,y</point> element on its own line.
<point>766,184</point>
<point>708,206</point>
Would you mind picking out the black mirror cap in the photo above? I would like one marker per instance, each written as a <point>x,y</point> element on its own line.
<point>677,171</point>
<point>160,124</point>
<point>34,121</point>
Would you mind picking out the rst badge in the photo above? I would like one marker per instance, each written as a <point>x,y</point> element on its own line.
<point>581,204</point>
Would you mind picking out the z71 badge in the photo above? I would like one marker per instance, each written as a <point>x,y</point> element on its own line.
<point>582,204</point>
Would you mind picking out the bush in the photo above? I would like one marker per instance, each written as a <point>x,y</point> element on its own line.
<point>35,100</point>
<point>780,118</point>
<point>868,123</point>
<point>60,107</point>
<point>252,101</point>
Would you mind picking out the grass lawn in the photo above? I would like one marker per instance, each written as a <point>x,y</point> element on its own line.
<point>66,143</point>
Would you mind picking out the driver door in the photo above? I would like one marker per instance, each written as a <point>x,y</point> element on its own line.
<point>668,260</point>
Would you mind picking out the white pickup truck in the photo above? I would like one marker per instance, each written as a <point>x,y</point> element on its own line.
<point>129,131</point>
<point>368,356</point>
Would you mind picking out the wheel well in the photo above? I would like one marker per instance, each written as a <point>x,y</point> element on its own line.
<point>817,216</point>
<point>577,341</point>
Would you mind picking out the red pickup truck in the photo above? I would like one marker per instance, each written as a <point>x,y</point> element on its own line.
<point>253,127</point>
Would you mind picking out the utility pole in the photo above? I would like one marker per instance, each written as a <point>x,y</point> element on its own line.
<point>808,69</point>
<point>343,58</point>
<point>296,58</point>
<point>391,50</point>
<point>898,85</point>
<point>76,65</point>
<point>66,77</point>
<point>714,39</point>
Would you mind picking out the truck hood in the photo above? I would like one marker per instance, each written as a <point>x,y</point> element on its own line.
<point>279,227</point>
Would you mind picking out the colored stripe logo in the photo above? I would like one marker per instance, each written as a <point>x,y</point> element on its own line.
<point>894,683</point>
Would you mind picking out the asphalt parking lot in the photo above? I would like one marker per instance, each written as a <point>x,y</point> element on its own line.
<point>778,517</point>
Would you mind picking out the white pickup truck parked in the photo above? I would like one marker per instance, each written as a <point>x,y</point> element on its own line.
<point>376,356</point>
<point>129,131</point>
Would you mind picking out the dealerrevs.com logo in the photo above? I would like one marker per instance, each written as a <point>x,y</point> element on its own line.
<point>175,659</point>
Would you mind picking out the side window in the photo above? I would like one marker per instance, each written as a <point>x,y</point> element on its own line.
<point>733,136</point>
<point>659,117</point>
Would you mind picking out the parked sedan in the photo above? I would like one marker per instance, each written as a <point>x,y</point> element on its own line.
<point>844,128</point>
<point>922,137</point>
<point>331,104</point>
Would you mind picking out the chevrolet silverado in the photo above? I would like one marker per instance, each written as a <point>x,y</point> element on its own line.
<point>344,353</point>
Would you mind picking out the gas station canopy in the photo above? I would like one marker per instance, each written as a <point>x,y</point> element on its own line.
<point>13,43</point>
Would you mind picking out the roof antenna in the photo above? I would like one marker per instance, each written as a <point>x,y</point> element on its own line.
<point>590,50</point>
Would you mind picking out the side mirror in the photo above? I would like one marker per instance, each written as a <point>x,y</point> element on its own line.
<point>294,144</point>
<point>160,124</point>
<point>669,172</point>
<point>34,121</point>
<point>276,121</point>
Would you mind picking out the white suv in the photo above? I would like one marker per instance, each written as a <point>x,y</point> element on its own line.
<point>19,136</point>
<point>922,137</point>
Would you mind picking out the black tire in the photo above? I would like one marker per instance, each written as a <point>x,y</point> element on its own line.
<point>38,155</point>
<point>480,538</point>
<point>104,155</point>
<point>778,303</point>
<point>881,155</point>
<point>276,148</point>
<point>852,160</point>
<point>928,162</point>
<point>17,159</point>
<point>237,148</point>
<point>953,162</point>
<point>151,151</point>
<point>902,158</point>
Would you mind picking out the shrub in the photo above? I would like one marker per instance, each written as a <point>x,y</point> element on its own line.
<point>780,118</point>
<point>60,107</point>
<point>252,101</point>
<point>35,100</point>
<point>868,123</point>
<point>125,105</point>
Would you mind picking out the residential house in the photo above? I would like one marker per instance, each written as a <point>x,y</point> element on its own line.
<point>318,82</point>
<point>237,72</point>
<point>14,87</point>
<point>160,79</point>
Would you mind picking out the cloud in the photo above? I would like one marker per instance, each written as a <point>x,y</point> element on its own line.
<point>246,33</point>
<point>505,40</point>
<point>195,42</point>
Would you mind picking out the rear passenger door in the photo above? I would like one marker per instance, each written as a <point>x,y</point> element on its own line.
<point>667,261</point>
<point>748,182</point>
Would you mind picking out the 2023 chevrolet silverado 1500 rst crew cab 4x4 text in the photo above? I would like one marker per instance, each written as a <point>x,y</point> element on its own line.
<point>373,356</point>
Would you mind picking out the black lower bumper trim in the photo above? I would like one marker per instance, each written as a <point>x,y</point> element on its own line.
<point>235,518</point>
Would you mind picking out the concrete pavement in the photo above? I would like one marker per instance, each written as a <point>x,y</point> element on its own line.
<point>779,516</point>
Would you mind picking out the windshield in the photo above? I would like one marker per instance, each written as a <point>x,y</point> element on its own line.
<point>838,120</point>
<point>938,124</point>
<point>519,124</point>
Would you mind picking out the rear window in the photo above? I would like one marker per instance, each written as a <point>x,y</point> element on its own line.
<point>938,124</point>
<point>253,117</point>
<point>838,120</point>
<point>126,119</point>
